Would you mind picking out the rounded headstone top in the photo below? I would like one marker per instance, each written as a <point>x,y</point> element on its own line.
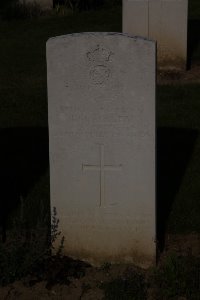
<point>100,35</point>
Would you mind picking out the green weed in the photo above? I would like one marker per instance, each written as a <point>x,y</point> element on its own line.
<point>21,10</point>
<point>178,276</point>
<point>131,286</point>
<point>26,248</point>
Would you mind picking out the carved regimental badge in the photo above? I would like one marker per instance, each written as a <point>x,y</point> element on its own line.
<point>99,59</point>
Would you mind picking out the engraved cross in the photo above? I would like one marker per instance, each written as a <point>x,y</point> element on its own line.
<point>102,168</point>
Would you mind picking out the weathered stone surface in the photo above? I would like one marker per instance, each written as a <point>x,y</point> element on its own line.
<point>101,105</point>
<point>164,21</point>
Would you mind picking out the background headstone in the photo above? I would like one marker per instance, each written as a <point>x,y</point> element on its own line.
<point>101,106</point>
<point>164,21</point>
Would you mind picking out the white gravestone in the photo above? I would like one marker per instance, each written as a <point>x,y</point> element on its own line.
<point>44,4</point>
<point>164,21</point>
<point>101,106</point>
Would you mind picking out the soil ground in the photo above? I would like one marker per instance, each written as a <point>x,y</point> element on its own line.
<point>88,286</point>
<point>175,77</point>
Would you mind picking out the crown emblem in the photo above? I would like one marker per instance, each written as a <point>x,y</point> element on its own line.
<point>99,55</point>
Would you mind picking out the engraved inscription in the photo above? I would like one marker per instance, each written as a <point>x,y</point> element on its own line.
<point>99,55</point>
<point>116,123</point>
<point>99,59</point>
<point>99,74</point>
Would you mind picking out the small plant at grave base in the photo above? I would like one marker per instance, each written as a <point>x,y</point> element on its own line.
<point>105,266</point>
<point>27,250</point>
<point>55,233</point>
<point>130,286</point>
<point>178,276</point>
<point>20,253</point>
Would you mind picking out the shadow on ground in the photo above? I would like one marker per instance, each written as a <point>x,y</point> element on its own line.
<point>23,159</point>
<point>193,40</point>
<point>174,150</point>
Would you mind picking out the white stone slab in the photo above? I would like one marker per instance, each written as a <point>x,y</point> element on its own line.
<point>44,4</point>
<point>164,21</point>
<point>101,106</point>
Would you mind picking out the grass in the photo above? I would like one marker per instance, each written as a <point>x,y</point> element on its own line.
<point>178,109</point>
<point>194,9</point>
<point>26,247</point>
<point>128,287</point>
<point>23,93</point>
<point>23,96</point>
<point>178,276</point>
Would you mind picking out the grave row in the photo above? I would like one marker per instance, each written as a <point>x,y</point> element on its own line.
<point>164,21</point>
<point>101,108</point>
